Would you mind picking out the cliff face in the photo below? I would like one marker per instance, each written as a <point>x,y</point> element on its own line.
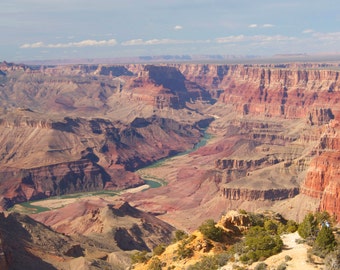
<point>322,180</point>
<point>276,126</point>
<point>167,87</point>
<point>253,195</point>
<point>44,157</point>
<point>291,92</point>
<point>63,178</point>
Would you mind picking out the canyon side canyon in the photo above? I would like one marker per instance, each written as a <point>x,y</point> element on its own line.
<point>271,131</point>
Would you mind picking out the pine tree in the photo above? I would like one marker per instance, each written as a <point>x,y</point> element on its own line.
<point>308,227</point>
<point>325,242</point>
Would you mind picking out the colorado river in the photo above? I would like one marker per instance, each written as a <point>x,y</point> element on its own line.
<point>151,181</point>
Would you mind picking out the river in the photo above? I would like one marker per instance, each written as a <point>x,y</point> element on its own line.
<point>151,181</point>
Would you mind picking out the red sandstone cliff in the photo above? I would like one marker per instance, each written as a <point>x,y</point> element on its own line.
<point>322,180</point>
<point>306,98</point>
<point>282,116</point>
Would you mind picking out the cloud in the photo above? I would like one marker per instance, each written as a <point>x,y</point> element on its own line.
<point>254,25</point>
<point>164,41</point>
<point>230,39</point>
<point>133,42</point>
<point>333,36</point>
<point>33,45</point>
<point>178,27</point>
<point>266,25</point>
<point>307,31</point>
<point>270,38</point>
<point>261,38</point>
<point>84,43</point>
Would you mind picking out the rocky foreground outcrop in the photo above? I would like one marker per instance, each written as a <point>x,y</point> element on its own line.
<point>107,230</point>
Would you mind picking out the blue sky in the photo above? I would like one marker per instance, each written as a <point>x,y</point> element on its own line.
<point>66,29</point>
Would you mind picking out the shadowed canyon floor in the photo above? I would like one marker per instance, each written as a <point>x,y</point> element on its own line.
<point>274,144</point>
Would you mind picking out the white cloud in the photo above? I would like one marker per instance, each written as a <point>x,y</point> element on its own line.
<point>164,41</point>
<point>307,31</point>
<point>84,43</point>
<point>270,38</point>
<point>33,45</point>
<point>133,42</point>
<point>254,25</point>
<point>261,38</point>
<point>230,39</point>
<point>268,25</point>
<point>333,36</point>
<point>178,27</point>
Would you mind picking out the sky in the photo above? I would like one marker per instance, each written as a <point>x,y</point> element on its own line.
<point>71,29</point>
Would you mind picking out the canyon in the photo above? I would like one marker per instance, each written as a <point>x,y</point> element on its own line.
<point>273,139</point>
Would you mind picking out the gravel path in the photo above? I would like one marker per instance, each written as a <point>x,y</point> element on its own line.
<point>298,253</point>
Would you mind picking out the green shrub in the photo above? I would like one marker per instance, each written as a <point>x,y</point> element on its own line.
<point>158,250</point>
<point>291,226</point>
<point>207,263</point>
<point>332,260</point>
<point>242,211</point>
<point>288,258</point>
<point>180,235</point>
<point>322,217</point>
<point>183,251</point>
<point>210,231</point>
<point>261,266</point>
<point>282,266</point>
<point>256,219</point>
<point>270,226</point>
<point>308,227</point>
<point>211,262</point>
<point>222,258</point>
<point>140,257</point>
<point>155,264</point>
<point>324,242</point>
<point>259,244</point>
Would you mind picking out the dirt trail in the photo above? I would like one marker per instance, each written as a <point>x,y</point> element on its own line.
<point>298,253</point>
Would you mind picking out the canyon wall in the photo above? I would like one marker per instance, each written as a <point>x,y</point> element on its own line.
<point>47,157</point>
<point>283,137</point>
<point>308,92</point>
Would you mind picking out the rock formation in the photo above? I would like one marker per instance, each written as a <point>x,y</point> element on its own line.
<point>107,230</point>
<point>117,222</point>
<point>42,158</point>
<point>89,127</point>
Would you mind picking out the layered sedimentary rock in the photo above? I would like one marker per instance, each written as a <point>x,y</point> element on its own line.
<point>253,195</point>
<point>45,157</point>
<point>117,222</point>
<point>108,229</point>
<point>322,180</point>
<point>277,125</point>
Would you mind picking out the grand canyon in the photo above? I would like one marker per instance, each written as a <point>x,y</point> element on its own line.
<point>217,137</point>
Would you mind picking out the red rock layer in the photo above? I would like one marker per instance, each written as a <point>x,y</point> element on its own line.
<point>63,178</point>
<point>276,92</point>
<point>322,179</point>
<point>253,195</point>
